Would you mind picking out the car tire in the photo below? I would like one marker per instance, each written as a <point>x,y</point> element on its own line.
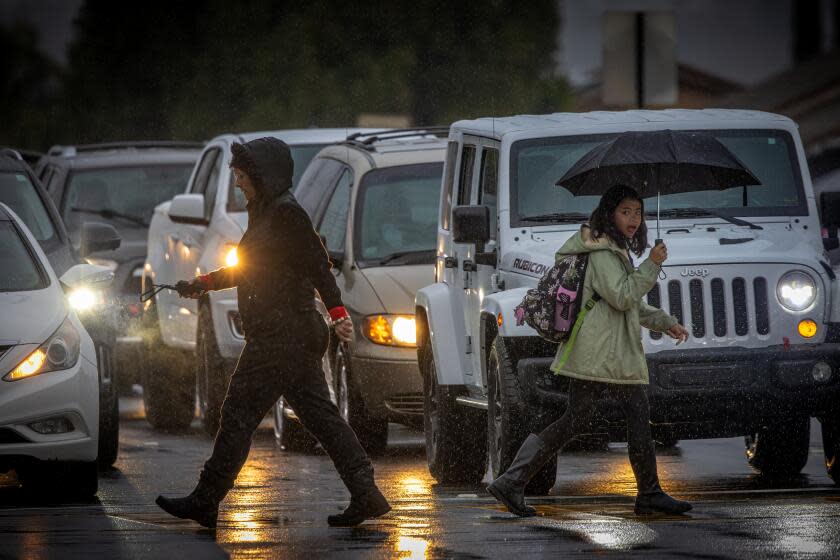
<point>109,409</point>
<point>62,479</point>
<point>456,437</point>
<point>372,431</point>
<point>507,419</point>
<point>212,374</point>
<point>780,450</point>
<point>831,446</point>
<point>168,385</point>
<point>289,434</point>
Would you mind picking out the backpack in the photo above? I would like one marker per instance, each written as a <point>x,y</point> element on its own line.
<point>554,306</point>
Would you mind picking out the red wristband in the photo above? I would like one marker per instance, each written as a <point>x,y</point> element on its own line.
<point>339,312</point>
<point>206,282</point>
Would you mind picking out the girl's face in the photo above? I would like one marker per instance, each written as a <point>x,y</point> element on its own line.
<point>628,217</point>
<point>243,181</point>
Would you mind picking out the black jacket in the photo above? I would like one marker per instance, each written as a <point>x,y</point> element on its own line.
<point>282,261</point>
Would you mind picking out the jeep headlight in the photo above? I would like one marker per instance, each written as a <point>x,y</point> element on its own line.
<point>60,352</point>
<point>391,330</point>
<point>796,291</point>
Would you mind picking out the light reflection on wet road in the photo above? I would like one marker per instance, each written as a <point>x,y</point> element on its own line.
<point>279,506</point>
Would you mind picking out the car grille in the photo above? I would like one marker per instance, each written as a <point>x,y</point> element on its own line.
<point>709,303</point>
<point>406,403</point>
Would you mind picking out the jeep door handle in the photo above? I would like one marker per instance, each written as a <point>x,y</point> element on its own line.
<point>469,266</point>
<point>450,262</point>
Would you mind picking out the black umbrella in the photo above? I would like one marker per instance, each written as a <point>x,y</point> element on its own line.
<point>659,161</point>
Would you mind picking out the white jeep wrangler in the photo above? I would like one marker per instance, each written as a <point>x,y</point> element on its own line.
<point>755,293</point>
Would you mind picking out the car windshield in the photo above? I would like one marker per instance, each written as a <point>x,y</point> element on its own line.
<point>769,154</point>
<point>19,194</point>
<point>124,196</point>
<point>396,215</point>
<point>18,269</point>
<point>301,155</point>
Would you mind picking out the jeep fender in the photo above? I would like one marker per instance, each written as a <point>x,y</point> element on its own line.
<point>446,330</point>
<point>504,303</point>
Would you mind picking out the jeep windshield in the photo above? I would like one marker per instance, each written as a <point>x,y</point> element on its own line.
<point>302,154</point>
<point>537,164</point>
<point>123,196</point>
<point>396,215</point>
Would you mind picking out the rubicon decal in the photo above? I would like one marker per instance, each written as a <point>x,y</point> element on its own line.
<point>535,268</point>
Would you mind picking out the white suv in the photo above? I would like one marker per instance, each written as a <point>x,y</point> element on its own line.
<point>193,234</point>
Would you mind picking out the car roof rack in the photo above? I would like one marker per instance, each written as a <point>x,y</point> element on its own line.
<point>365,140</point>
<point>70,151</point>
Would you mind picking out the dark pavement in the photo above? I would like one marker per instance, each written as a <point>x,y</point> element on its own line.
<point>279,506</point>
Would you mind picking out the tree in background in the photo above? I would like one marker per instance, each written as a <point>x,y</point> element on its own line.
<point>192,69</point>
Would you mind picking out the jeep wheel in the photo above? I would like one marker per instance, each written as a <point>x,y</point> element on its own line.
<point>212,375</point>
<point>456,440</point>
<point>831,446</point>
<point>290,434</point>
<point>371,431</point>
<point>507,419</point>
<point>780,449</point>
<point>109,408</point>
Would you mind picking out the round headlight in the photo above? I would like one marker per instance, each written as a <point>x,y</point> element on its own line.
<point>796,291</point>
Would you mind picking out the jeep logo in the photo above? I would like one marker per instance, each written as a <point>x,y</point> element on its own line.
<point>701,272</point>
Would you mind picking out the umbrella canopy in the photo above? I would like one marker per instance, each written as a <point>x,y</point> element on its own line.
<point>662,161</point>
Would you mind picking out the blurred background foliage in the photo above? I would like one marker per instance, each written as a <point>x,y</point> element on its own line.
<point>192,69</point>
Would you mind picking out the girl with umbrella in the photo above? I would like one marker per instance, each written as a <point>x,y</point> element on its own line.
<point>607,356</point>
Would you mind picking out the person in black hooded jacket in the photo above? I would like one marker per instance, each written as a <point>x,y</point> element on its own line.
<point>282,262</point>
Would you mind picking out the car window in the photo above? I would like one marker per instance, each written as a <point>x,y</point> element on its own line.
<point>465,177</point>
<point>334,223</point>
<point>397,213</point>
<point>446,200</point>
<point>489,183</point>
<point>123,196</point>
<point>316,185</point>
<point>19,194</point>
<point>19,271</point>
<point>302,155</point>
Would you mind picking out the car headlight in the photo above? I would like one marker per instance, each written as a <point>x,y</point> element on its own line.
<point>391,330</point>
<point>796,291</point>
<point>107,263</point>
<point>84,299</point>
<point>60,352</point>
<point>231,256</point>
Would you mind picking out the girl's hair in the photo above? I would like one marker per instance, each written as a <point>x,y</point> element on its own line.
<point>602,222</point>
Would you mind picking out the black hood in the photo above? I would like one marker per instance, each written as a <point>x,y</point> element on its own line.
<point>268,162</point>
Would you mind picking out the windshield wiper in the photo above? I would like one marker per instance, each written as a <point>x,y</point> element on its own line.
<point>694,212</point>
<point>384,261</point>
<point>109,214</point>
<point>567,218</point>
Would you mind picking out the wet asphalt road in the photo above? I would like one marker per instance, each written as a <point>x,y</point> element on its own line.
<point>279,506</point>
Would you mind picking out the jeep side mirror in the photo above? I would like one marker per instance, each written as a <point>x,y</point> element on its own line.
<point>471,224</point>
<point>830,208</point>
<point>188,209</point>
<point>98,237</point>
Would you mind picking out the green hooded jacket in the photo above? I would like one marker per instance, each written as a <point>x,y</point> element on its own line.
<point>608,347</point>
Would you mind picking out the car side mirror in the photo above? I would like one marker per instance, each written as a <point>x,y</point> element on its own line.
<point>89,275</point>
<point>830,208</point>
<point>471,224</point>
<point>188,209</point>
<point>98,237</point>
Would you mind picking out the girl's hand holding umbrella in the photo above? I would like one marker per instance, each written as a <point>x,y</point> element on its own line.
<point>659,254</point>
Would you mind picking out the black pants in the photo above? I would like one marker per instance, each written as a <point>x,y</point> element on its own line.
<point>268,368</point>
<point>577,420</point>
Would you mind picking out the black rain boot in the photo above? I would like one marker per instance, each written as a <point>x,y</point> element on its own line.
<point>202,504</point>
<point>509,488</point>
<point>650,497</point>
<point>366,501</point>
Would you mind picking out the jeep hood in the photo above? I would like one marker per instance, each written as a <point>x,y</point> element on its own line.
<point>396,286</point>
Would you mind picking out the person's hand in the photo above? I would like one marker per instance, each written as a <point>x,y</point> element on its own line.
<point>344,329</point>
<point>678,332</point>
<point>659,254</point>
<point>189,289</point>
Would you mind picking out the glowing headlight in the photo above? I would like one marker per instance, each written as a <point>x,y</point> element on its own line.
<point>231,257</point>
<point>796,291</point>
<point>391,330</point>
<point>60,352</point>
<point>85,299</point>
